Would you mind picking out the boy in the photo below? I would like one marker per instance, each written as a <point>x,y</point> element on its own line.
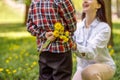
<point>55,61</point>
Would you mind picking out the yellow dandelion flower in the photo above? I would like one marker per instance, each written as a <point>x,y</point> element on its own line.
<point>1,69</point>
<point>14,71</point>
<point>34,63</point>
<point>10,58</point>
<point>56,33</point>
<point>109,46</point>
<point>67,33</point>
<point>32,66</point>
<point>62,37</point>
<point>112,52</point>
<point>61,32</point>
<point>65,40</point>
<point>57,26</point>
<point>7,61</point>
<point>62,28</point>
<point>7,70</point>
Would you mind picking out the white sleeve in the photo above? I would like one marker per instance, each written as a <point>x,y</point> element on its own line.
<point>96,44</point>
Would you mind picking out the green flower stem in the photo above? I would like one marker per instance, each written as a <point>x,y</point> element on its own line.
<point>44,45</point>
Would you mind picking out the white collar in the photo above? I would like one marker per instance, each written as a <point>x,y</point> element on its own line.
<point>93,24</point>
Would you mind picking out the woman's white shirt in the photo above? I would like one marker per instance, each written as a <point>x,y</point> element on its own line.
<point>93,42</point>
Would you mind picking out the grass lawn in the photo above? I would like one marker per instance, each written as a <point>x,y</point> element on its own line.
<point>18,55</point>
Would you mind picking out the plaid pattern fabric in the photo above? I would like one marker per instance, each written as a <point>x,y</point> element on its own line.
<point>43,14</point>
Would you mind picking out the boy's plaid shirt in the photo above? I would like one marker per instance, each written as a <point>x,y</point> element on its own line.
<point>42,16</point>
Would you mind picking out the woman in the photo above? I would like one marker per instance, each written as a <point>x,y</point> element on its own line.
<point>91,38</point>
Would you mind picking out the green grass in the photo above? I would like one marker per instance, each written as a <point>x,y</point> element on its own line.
<point>18,55</point>
<point>116,56</point>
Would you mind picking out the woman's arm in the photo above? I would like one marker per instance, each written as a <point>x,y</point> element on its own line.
<point>96,44</point>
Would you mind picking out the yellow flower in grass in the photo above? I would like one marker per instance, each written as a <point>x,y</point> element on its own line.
<point>8,71</point>
<point>7,61</point>
<point>34,63</point>
<point>14,71</point>
<point>109,46</point>
<point>1,69</point>
<point>112,52</point>
<point>32,66</point>
<point>10,58</point>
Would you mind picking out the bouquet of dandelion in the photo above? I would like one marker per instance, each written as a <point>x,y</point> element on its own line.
<point>59,32</point>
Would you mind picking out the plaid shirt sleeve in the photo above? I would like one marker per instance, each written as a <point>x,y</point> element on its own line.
<point>31,26</point>
<point>67,11</point>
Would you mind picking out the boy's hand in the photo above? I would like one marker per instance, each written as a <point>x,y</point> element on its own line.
<point>50,36</point>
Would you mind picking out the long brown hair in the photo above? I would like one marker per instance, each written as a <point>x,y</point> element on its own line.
<point>101,14</point>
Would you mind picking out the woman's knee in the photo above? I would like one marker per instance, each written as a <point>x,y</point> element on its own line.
<point>90,75</point>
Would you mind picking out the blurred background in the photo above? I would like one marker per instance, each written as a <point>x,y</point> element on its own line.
<point>18,55</point>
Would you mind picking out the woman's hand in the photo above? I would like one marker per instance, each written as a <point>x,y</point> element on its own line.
<point>74,47</point>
